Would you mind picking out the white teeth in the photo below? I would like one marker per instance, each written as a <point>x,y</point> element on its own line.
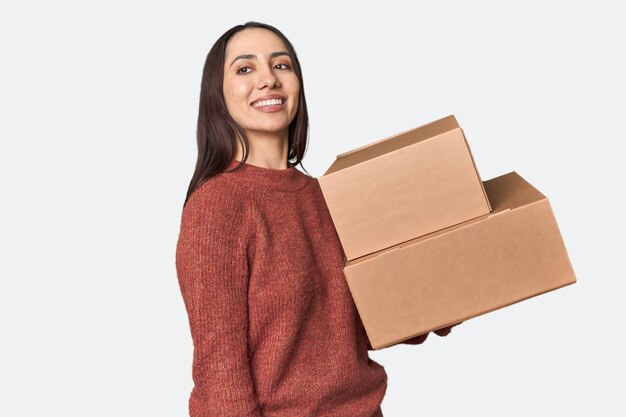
<point>272,102</point>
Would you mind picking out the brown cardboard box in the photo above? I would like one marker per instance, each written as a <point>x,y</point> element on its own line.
<point>423,180</point>
<point>463,271</point>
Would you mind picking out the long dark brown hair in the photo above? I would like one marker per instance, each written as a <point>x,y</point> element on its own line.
<point>217,132</point>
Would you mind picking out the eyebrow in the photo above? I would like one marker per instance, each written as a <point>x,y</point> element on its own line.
<point>252,56</point>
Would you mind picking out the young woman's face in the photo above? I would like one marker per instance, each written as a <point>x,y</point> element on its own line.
<point>248,79</point>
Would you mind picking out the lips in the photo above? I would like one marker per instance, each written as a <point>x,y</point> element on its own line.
<point>269,97</point>
<point>270,108</point>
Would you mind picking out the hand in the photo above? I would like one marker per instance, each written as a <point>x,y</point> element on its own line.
<point>417,339</point>
<point>444,331</point>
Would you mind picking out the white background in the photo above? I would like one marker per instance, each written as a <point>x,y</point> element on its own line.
<point>99,104</point>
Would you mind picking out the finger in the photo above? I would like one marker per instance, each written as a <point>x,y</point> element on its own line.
<point>417,339</point>
<point>444,331</point>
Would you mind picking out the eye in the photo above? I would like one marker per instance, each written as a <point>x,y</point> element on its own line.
<point>239,70</point>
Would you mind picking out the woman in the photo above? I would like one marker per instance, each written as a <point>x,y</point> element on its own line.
<point>259,262</point>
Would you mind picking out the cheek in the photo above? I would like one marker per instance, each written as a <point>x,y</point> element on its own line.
<point>292,87</point>
<point>236,91</point>
<point>295,92</point>
<point>295,96</point>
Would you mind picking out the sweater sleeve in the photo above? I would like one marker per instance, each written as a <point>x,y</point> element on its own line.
<point>212,270</point>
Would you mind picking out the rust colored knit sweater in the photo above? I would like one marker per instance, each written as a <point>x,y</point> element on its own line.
<point>274,327</point>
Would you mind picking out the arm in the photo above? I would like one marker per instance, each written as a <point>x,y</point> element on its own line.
<point>213,276</point>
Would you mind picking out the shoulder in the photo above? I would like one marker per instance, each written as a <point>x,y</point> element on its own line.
<point>216,202</point>
<point>316,187</point>
<point>216,192</point>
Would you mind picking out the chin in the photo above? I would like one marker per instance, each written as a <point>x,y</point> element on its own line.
<point>273,127</point>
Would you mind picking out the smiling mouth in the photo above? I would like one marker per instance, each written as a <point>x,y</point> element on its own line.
<point>274,102</point>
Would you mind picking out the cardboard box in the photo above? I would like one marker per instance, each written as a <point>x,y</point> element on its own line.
<point>463,271</point>
<point>423,180</point>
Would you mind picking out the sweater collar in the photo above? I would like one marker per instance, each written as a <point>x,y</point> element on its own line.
<point>289,179</point>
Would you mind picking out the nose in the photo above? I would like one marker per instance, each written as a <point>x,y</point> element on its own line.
<point>267,77</point>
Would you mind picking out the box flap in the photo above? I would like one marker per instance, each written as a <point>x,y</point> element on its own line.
<point>393,143</point>
<point>510,191</point>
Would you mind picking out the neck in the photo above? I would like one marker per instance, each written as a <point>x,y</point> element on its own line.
<point>288,179</point>
<point>267,150</point>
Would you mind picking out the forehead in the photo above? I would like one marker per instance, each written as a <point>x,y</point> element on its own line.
<point>255,41</point>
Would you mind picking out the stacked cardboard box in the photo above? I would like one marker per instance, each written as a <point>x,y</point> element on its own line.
<point>427,243</point>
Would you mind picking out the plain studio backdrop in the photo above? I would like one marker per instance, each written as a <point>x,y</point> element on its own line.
<point>99,105</point>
